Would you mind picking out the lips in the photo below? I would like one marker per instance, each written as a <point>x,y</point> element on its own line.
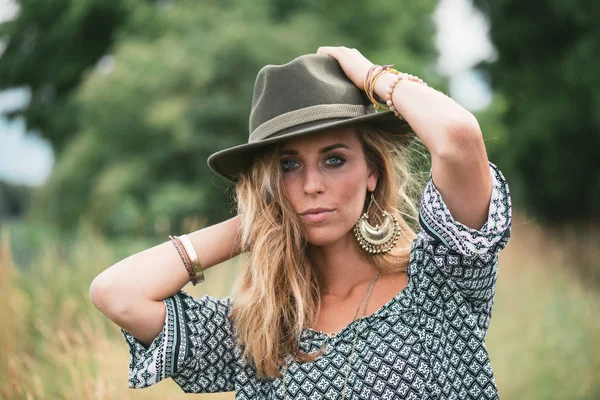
<point>319,214</point>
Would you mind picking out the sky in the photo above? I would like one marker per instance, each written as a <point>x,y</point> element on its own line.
<point>462,41</point>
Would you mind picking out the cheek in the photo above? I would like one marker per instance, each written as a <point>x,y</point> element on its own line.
<point>353,198</point>
<point>355,202</point>
<point>291,190</point>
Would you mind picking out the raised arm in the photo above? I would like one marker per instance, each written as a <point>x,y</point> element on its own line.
<point>130,292</point>
<point>460,168</point>
<point>459,163</point>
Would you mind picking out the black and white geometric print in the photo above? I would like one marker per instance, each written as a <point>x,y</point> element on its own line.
<point>428,342</point>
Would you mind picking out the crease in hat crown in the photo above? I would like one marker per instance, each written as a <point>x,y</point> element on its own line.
<point>309,88</point>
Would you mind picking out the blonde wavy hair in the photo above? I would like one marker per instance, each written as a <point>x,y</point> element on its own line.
<point>277,293</point>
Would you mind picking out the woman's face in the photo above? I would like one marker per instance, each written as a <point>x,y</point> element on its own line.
<point>326,178</point>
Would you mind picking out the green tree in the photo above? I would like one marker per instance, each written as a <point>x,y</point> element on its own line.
<point>547,76</point>
<point>138,162</point>
<point>49,46</point>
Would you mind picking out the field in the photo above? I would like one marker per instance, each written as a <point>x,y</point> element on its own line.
<point>544,338</point>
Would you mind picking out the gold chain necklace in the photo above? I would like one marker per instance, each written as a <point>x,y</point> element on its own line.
<point>331,335</point>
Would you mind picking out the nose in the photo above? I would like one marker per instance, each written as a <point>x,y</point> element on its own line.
<point>313,181</point>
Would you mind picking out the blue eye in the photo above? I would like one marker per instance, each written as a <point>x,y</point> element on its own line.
<point>335,161</point>
<point>288,165</point>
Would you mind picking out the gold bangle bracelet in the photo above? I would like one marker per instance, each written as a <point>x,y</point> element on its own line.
<point>198,271</point>
<point>184,257</point>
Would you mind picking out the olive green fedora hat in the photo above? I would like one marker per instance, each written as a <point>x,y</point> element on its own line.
<point>308,95</point>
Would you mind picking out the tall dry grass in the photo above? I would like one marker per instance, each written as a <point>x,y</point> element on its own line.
<point>544,338</point>
<point>54,343</point>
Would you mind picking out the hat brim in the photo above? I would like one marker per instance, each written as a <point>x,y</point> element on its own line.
<point>229,163</point>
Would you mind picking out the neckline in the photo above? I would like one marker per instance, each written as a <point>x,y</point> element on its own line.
<point>379,312</point>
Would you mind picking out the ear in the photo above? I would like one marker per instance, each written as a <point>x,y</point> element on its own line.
<point>372,180</point>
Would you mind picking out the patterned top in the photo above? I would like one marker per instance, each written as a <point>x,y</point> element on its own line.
<point>425,343</point>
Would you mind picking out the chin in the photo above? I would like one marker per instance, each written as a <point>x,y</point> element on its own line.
<point>325,237</point>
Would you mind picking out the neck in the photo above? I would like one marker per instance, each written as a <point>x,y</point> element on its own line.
<point>341,267</point>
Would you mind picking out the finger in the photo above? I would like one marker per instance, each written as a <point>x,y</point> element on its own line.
<point>329,50</point>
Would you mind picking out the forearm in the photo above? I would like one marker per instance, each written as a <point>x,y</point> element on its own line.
<point>158,272</point>
<point>444,127</point>
<point>459,163</point>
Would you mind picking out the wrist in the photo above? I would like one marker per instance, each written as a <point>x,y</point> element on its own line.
<point>382,84</point>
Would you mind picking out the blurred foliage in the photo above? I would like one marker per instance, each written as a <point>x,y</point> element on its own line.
<point>547,78</point>
<point>49,46</point>
<point>176,86</point>
<point>14,200</point>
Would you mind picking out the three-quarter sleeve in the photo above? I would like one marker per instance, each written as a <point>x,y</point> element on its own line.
<point>195,347</point>
<point>436,220</point>
<point>467,257</point>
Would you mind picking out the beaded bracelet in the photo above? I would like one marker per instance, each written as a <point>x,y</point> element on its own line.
<point>392,86</point>
<point>374,73</point>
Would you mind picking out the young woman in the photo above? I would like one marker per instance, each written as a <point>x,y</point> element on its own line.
<point>339,298</point>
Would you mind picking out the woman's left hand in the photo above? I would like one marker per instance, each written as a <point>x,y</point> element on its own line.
<point>353,63</point>
<point>459,163</point>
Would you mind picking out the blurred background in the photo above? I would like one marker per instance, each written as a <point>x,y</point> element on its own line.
<point>109,110</point>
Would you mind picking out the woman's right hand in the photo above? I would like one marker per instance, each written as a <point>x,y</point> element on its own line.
<point>131,292</point>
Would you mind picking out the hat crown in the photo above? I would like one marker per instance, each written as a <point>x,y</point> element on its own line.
<point>306,83</point>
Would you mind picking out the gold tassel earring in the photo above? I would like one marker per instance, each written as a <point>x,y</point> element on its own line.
<point>378,239</point>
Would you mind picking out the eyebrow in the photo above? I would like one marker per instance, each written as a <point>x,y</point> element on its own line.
<point>323,150</point>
